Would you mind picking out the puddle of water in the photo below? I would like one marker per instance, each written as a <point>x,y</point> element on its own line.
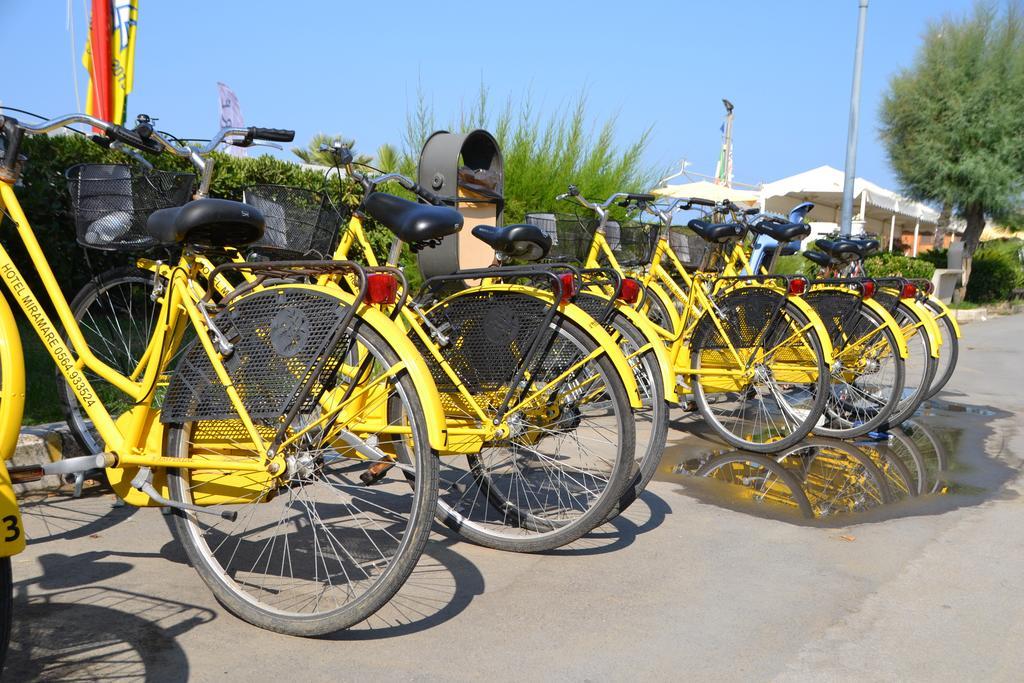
<point>930,464</point>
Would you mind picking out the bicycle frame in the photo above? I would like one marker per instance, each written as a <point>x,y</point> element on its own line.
<point>695,300</point>
<point>126,438</point>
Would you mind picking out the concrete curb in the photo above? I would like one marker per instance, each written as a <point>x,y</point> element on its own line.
<point>967,315</point>
<point>38,444</point>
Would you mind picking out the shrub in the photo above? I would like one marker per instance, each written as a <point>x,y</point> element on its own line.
<point>44,197</point>
<point>890,264</point>
<point>543,156</point>
<point>995,273</point>
<point>937,257</point>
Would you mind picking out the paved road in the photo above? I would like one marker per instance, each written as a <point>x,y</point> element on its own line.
<point>690,583</point>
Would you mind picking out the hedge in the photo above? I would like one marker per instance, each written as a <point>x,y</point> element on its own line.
<point>891,264</point>
<point>44,198</point>
<point>996,271</point>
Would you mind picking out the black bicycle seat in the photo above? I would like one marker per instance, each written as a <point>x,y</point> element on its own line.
<point>521,241</point>
<point>412,222</point>
<point>823,260</point>
<point>841,249</point>
<point>781,231</point>
<point>716,232</point>
<point>207,222</point>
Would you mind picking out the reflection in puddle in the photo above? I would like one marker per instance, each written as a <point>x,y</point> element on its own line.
<point>908,472</point>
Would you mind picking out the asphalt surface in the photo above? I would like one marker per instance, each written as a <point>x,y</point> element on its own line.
<point>696,580</point>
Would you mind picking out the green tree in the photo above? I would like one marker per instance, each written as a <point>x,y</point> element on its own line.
<point>953,123</point>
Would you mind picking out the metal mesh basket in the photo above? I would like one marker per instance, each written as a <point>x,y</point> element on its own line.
<point>111,203</point>
<point>687,246</point>
<point>279,335</point>
<point>633,243</point>
<point>300,223</point>
<point>749,318</point>
<point>489,334</point>
<point>571,235</point>
<point>839,311</point>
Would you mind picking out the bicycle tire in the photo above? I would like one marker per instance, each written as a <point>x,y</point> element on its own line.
<point>6,608</point>
<point>488,502</point>
<point>651,420</point>
<point>89,303</point>
<point>919,379</point>
<point>950,350</point>
<point>810,412</point>
<point>839,408</point>
<point>419,491</point>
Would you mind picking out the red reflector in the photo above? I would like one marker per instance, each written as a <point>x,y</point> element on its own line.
<point>868,288</point>
<point>797,286</point>
<point>568,286</point>
<point>909,291</point>
<point>381,288</point>
<point>630,290</point>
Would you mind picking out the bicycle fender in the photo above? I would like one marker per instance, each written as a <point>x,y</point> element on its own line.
<point>660,350</point>
<point>889,322</point>
<point>941,310</point>
<point>928,322</point>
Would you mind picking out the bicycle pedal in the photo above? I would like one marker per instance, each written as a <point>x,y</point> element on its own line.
<point>688,406</point>
<point>374,473</point>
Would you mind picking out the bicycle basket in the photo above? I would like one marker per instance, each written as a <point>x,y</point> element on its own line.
<point>300,223</point>
<point>111,203</point>
<point>687,246</point>
<point>570,235</point>
<point>633,243</point>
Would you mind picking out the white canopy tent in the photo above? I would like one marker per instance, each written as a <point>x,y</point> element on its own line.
<point>703,189</point>
<point>879,211</point>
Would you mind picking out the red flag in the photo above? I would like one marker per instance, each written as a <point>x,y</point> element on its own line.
<point>100,66</point>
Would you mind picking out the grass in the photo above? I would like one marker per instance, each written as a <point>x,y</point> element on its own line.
<point>41,402</point>
<point>965,305</point>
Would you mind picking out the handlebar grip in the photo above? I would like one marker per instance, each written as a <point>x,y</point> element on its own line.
<point>133,139</point>
<point>697,201</point>
<point>640,197</point>
<point>271,134</point>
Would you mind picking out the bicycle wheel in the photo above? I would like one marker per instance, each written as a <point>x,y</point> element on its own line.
<point>866,377</point>
<point>6,608</point>
<point>769,397</point>
<point>117,317</point>
<point>949,352</point>
<point>564,464</point>
<point>652,419</point>
<point>327,545</point>
<point>920,364</point>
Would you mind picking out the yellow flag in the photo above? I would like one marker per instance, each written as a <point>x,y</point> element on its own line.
<point>122,45</point>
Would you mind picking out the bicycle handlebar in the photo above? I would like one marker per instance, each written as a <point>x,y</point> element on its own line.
<point>370,184</point>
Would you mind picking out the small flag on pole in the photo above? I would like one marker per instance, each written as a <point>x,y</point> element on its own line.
<point>230,115</point>
<point>126,18</point>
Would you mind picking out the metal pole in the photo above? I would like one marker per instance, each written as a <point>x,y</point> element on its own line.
<point>846,220</point>
<point>728,142</point>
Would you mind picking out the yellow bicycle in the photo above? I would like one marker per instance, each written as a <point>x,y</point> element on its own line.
<point>536,396</point>
<point>753,357</point>
<point>232,433</point>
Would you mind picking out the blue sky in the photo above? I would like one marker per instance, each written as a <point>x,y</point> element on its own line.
<point>353,68</point>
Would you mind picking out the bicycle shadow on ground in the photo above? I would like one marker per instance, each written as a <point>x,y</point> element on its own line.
<point>645,514</point>
<point>57,515</point>
<point>949,456</point>
<point>442,586</point>
<point>94,632</point>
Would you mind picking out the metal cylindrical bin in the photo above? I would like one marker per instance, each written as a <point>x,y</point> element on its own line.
<point>467,170</point>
